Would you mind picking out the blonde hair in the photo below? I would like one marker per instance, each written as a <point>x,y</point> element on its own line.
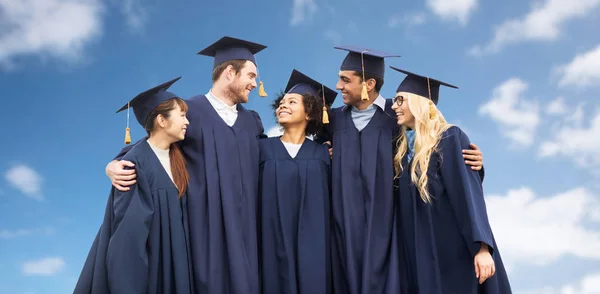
<point>430,124</point>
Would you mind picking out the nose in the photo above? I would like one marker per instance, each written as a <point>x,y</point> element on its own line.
<point>394,106</point>
<point>253,83</point>
<point>339,85</point>
<point>187,122</point>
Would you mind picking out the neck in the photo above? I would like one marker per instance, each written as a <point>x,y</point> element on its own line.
<point>362,105</point>
<point>160,140</point>
<point>220,92</point>
<point>294,134</point>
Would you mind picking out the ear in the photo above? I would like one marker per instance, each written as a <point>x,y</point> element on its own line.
<point>162,122</point>
<point>371,84</point>
<point>229,72</point>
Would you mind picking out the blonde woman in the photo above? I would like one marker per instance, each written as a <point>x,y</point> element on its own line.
<point>446,243</point>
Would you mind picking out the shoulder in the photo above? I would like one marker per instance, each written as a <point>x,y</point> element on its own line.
<point>266,142</point>
<point>320,151</point>
<point>140,156</point>
<point>454,137</point>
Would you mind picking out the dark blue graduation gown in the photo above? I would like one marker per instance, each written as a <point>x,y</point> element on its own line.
<point>223,192</point>
<point>294,210</point>
<point>440,240</point>
<point>142,245</point>
<point>364,250</point>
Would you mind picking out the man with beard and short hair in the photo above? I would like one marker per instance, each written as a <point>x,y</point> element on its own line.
<point>222,154</point>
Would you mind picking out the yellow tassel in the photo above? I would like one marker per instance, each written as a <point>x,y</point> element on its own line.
<point>364,95</point>
<point>431,110</point>
<point>261,90</point>
<point>325,115</point>
<point>127,136</point>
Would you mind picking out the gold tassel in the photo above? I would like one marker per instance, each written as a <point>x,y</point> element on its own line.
<point>431,110</point>
<point>364,95</point>
<point>325,115</point>
<point>261,90</point>
<point>127,136</point>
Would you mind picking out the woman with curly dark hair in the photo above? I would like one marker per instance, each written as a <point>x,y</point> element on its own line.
<point>294,193</point>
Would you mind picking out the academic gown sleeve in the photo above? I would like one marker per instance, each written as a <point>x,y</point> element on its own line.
<point>261,129</point>
<point>465,192</point>
<point>127,256</point>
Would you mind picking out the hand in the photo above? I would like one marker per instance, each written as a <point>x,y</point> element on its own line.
<point>330,149</point>
<point>484,265</point>
<point>473,157</point>
<point>119,176</point>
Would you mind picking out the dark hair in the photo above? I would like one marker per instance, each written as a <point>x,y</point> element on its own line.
<point>378,79</point>
<point>178,165</point>
<point>313,106</point>
<point>237,65</point>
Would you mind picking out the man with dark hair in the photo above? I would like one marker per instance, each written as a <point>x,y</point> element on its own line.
<point>364,237</point>
<point>222,154</point>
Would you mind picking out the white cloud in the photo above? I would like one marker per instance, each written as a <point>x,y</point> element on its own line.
<point>48,266</point>
<point>57,28</point>
<point>580,143</point>
<point>557,106</point>
<point>582,71</point>
<point>409,19</point>
<point>544,22</point>
<point>275,131</point>
<point>522,222</point>
<point>26,180</point>
<point>302,10</point>
<point>8,234</point>
<point>134,13</point>
<point>589,284</point>
<point>518,118</point>
<point>456,10</point>
<point>334,36</point>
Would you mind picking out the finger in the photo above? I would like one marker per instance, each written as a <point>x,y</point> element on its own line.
<point>473,146</point>
<point>124,172</point>
<point>471,162</point>
<point>476,270</point>
<point>493,270</point>
<point>471,152</point>
<point>127,163</point>
<point>125,178</point>
<point>121,188</point>
<point>477,168</point>
<point>125,183</point>
<point>472,157</point>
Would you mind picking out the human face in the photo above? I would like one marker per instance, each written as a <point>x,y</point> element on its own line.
<point>243,83</point>
<point>291,110</point>
<point>403,113</point>
<point>350,86</point>
<point>176,125</point>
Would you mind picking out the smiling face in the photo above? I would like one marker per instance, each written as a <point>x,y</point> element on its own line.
<point>291,111</point>
<point>350,85</point>
<point>176,124</point>
<point>403,114</point>
<point>242,82</point>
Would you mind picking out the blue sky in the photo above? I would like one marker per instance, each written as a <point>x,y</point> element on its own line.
<point>528,73</point>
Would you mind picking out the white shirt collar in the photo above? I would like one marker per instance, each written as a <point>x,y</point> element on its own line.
<point>219,104</point>
<point>379,101</point>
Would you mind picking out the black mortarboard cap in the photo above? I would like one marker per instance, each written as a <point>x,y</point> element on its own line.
<point>421,85</point>
<point>228,48</point>
<point>373,60</point>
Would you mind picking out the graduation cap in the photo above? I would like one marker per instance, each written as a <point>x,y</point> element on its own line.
<point>300,83</point>
<point>421,85</point>
<point>144,103</point>
<point>228,48</point>
<point>367,61</point>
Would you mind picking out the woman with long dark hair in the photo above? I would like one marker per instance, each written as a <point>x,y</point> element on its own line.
<point>142,245</point>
